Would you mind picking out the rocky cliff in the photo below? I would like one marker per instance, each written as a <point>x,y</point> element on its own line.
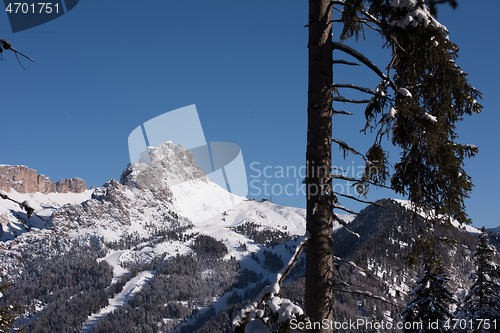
<point>26,180</point>
<point>161,167</point>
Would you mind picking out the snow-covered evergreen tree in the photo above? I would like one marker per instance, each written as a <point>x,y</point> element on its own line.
<point>483,300</point>
<point>428,310</point>
<point>8,316</point>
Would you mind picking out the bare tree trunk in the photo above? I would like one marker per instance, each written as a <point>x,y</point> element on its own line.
<point>319,252</point>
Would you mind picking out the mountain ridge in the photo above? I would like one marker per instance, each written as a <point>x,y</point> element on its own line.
<point>153,238</point>
<point>25,180</point>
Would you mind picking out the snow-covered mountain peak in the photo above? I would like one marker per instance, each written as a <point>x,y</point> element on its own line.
<point>171,169</point>
<point>162,166</point>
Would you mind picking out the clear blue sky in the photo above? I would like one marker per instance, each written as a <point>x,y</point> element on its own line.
<point>107,66</point>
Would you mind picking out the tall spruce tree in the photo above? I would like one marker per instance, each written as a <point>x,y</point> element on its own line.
<point>320,203</point>
<point>431,94</point>
<point>418,102</point>
<point>483,300</point>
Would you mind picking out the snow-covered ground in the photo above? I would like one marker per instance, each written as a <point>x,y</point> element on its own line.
<point>129,290</point>
<point>201,200</point>
<point>116,210</point>
<point>407,204</point>
<point>114,260</point>
<point>45,205</point>
<point>128,209</point>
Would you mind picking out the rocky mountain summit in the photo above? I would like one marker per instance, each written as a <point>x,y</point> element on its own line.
<point>170,168</point>
<point>26,180</point>
<point>162,166</point>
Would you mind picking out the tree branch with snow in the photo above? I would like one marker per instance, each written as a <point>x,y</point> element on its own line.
<point>268,307</point>
<point>27,205</point>
<point>5,44</point>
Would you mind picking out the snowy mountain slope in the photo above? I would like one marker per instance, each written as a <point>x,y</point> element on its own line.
<point>143,221</point>
<point>14,219</point>
<point>199,200</point>
<point>115,211</point>
<point>149,200</point>
<point>495,230</point>
<point>143,228</point>
<point>387,235</point>
<point>456,224</point>
<point>129,290</point>
<point>153,218</point>
<point>167,185</point>
<point>171,168</point>
<point>268,215</point>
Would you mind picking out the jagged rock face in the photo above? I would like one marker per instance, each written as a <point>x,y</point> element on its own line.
<point>170,169</point>
<point>118,209</point>
<point>26,180</point>
<point>162,166</point>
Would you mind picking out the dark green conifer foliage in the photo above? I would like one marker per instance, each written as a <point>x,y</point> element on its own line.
<point>483,300</point>
<point>6,319</point>
<point>428,95</point>
<point>431,95</point>
<point>431,168</point>
<point>429,304</point>
<point>8,314</point>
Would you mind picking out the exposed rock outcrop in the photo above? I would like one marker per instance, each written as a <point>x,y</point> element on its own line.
<point>26,180</point>
<point>162,166</point>
<point>116,210</point>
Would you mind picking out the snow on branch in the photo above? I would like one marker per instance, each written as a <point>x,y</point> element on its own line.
<point>345,62</point>
<point>343,177</point>
<point>293,260</point>
<point>27,205</point>
<point>268,296</point>
<point>391,114</point>
<point>345,225</point>
<point>370,17</point>
<point>352,52</point>
<point>347,100</point>
<point>415,13</point>
<point>346,210</point>
<point>405,92</point>
<point>352,86</point>
<point>346,147</point>
<point>342,112</point>
<point>429,117</point>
